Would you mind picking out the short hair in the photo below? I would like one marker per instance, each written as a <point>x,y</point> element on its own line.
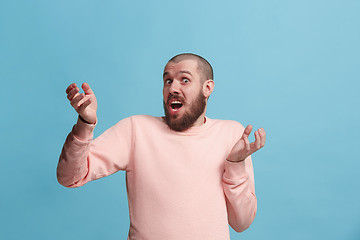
<point>206,71</point>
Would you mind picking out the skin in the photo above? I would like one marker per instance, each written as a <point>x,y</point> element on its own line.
<point>181,79</point>
<point>243,148</point>
<point>85,104</point>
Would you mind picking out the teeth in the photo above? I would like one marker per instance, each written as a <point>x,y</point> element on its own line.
<point>176,102</point>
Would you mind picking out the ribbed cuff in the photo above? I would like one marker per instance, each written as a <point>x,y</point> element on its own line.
<point>83,131</point>
<point>235,170</point>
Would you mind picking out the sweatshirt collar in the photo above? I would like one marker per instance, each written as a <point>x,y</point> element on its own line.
<point>192,130</point>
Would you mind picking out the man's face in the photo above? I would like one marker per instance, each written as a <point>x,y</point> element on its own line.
<point>184,101</point>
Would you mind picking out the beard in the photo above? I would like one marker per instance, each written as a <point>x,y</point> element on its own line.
<point>183,123</point>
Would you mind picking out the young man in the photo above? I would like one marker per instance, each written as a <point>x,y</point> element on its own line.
<point>188,176</point>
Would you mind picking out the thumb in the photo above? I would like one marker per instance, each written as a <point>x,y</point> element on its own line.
<point>86,88</point>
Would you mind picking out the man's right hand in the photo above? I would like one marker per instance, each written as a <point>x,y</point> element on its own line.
<point>85,104</point>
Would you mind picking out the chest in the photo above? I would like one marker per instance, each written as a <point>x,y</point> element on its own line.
<point>181,159</point>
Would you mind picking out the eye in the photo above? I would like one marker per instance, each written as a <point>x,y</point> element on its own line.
<point>168,81</point>
<point>185,80</point>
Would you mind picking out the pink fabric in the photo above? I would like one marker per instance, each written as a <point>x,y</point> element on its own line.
<point>175,180</point>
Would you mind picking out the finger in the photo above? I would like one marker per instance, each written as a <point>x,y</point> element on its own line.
<point>86,88</point>
<point>247,143</point>
<point>71,86</point>
<point>72,93</point>
<point>257,140</point>
<point>247,130</point>
<point>84,105</point>
<point>76,100</point>
<point>262,137</point>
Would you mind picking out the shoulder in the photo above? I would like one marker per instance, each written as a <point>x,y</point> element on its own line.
<point>145,119</point>
<point>136,121</point>
<point>228,124</point>
<point>139,118</point>
<point>142,121</point>
<point>229,130</point>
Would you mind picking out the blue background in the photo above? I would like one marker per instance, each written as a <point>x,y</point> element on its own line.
<point>291,67</point>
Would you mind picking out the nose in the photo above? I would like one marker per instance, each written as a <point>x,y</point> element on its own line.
<point>174,87</point>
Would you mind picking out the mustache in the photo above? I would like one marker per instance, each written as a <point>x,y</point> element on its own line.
<point>175,97</point>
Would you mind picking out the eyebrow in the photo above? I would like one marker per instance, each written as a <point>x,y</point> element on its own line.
<point>166,73</point>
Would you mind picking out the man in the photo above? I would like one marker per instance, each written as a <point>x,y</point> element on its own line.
<point>187,175</point>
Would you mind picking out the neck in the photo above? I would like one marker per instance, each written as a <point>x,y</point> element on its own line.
<point>201,120</point>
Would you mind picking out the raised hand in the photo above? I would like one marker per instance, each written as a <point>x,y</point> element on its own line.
<point>85,104</point>
<point>242,149</point>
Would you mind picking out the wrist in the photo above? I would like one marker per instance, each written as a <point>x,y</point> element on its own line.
<point>83,130</point>
<point>83,120</point>
<point>235,161</point>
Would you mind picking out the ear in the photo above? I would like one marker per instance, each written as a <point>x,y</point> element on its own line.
<point>208,87</point>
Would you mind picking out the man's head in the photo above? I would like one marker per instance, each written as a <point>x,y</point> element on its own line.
<point>203,66</point>
<point>188,83</point>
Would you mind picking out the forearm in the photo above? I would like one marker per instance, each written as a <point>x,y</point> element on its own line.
<point>73,162</point>
<point>238,184</point>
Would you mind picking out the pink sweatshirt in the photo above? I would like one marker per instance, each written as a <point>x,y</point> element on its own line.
<point>175,180</point>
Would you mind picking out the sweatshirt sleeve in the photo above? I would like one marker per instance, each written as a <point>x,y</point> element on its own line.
<point>239,188</point>
<point>84,160</point>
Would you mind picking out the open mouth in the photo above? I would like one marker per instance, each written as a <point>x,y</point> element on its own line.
<point>175,104</point>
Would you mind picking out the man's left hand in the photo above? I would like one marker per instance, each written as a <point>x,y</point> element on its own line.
<point>243,148</point>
